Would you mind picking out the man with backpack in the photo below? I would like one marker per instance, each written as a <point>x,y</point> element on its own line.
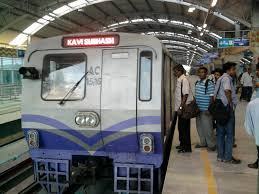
<point>204,92</point>
<point>226,95</point>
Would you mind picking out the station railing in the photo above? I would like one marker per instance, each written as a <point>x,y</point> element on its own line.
<point>10,92</point>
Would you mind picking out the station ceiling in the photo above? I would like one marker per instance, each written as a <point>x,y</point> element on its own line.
<point>169,20</point>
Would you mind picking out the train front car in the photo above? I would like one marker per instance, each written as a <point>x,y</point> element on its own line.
<point>94,97</point>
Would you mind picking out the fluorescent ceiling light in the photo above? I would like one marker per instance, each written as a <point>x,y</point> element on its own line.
<point>187,68</point>
<point>148,20</point>
<point>77,4</point>
<point>42,21</point>
<point>112,25</point>
<point>33,28</point>
<point>163,20</point>
<point>215,35</point>
<point>47,17</point>
<point>204,25</point>
<point>19,40</point>
<point>124,22</point>
<point>137,20</point>
<point>62,10</point>
<point>191,9</point>
<point>214,2</point>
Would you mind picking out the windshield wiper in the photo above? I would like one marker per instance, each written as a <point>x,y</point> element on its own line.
<point>70,92</point>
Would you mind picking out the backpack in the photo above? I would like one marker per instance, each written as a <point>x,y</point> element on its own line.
<point>206,85</point>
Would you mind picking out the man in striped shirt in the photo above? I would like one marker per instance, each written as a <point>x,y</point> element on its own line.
<point>204,92</point>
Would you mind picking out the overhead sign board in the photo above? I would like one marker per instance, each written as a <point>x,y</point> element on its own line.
<point>90,41</point>
<point>241,42</point>
<point>225,42</point>
<point>232,42</point>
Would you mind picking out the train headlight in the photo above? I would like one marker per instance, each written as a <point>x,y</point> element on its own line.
<point>87,119</point>
<point>147,143</point>
<point>33,139</point>
<point>80,120</point>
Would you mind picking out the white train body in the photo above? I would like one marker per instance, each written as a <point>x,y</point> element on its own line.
<point>120,110</point>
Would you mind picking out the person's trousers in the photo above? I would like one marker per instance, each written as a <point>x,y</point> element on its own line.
<point>184,126</point>
<point>204,124</point>
<point>225,139</point>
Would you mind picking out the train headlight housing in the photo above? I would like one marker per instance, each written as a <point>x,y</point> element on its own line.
<point>147,143</point>
<point>87,119</point>
<point>33,139</point>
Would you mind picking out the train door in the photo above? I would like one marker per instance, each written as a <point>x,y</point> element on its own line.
<point>118,100</point>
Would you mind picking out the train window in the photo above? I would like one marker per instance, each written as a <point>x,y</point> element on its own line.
<point>145,83</point>
<point>60,73</point>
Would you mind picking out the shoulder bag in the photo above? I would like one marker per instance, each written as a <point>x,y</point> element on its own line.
<point>189,110</point>
<point>218,110</point>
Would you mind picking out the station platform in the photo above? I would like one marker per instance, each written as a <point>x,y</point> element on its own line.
<point>200,173</point>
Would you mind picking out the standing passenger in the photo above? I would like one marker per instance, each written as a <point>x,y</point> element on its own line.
<point>247,85</point>
<point>225,91</point>
<point>217,74</point>
<point>251,119</point>
<point>257,81</point>
<point>204,92</point>
<point>182,97</point>
<point>212,76</point>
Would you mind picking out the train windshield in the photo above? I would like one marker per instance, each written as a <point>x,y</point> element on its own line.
<point>60,73</point>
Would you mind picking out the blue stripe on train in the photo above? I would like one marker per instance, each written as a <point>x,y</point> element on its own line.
<point>146,120</point>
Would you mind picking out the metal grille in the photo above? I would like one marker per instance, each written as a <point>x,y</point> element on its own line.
<point>53,175</point>
<point>133,178</point>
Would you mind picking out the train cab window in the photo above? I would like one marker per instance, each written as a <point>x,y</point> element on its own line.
<point>145,83</point>
<point>60,73</point>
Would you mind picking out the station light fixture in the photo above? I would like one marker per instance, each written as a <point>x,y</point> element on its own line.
<point>180,36</point>
<point>189,45</point>
<point>62,10</point>
<point>204,25</point>
<point>77,4</point>
<point>213,3</point>
<point>163,20</point>
<point>19,40</point>
<point>202,33</point>
<point>191,9</point>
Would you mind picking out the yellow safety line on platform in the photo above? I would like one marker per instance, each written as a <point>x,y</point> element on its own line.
<point>212,186</point>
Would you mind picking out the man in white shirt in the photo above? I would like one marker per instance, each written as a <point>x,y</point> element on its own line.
<point>183,96</point>
<point>247,85</point>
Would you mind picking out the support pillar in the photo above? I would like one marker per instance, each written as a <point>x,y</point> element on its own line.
<point>237,31</point>
<point>255,15</point>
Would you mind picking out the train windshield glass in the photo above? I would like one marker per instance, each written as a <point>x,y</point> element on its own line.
<point>60,73</point>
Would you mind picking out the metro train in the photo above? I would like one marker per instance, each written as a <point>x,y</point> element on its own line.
<point>95,98</point>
